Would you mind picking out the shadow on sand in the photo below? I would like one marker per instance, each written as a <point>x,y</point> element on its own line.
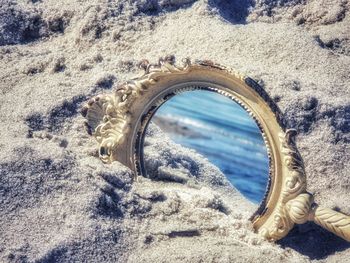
<point>234,11</point>
<point>313,241</point>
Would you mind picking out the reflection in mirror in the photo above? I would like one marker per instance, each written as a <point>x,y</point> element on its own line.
<point>220,130</point>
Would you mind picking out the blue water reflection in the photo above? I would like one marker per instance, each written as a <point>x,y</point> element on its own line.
<point>222,131</point>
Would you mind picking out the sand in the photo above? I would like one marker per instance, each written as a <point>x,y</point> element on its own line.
<point>59,203</point>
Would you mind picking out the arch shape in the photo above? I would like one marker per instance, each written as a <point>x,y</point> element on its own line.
<point>119,120</point>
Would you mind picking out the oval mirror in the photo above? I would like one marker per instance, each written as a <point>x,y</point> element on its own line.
<point>119,122</point>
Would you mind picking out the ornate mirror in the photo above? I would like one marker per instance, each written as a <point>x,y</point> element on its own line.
<point>119,122</point>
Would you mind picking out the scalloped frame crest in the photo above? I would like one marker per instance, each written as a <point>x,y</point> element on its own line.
<point>119,120</point>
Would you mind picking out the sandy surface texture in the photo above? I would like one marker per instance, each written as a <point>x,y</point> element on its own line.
<point>60,203</point>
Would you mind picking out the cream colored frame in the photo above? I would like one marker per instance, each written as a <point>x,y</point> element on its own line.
<point>118,122</point>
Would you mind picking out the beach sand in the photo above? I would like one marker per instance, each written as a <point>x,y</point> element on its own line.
<point>60,203</point>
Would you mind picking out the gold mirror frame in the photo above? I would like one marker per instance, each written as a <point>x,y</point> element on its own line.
<point>119,120</point>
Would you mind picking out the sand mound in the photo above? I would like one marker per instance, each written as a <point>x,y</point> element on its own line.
<point>21,24</point>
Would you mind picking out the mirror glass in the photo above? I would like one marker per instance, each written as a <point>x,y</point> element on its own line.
<point>217,128</point>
